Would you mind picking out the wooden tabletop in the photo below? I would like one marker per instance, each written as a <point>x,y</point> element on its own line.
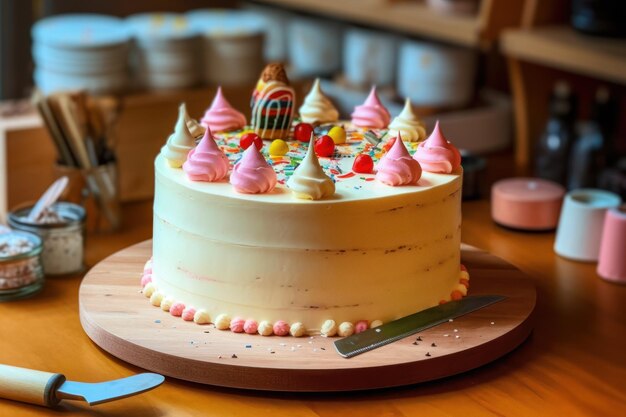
<point>574,363</point>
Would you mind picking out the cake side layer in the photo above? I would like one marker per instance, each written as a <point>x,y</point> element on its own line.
<point>380,257</point>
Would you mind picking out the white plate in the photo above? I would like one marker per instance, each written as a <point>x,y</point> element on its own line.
<point>80,31</point>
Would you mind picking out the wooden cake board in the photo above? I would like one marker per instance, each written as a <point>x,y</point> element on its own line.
<point>119,319</point>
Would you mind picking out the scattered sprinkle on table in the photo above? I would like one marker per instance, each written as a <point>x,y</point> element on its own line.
<point>446,335</point>
<point>248,346</point>
<point>419,338</point>
<point>433,344</point>
<point>234,356</point>
<point>157,321</point>
<point>427,353</point>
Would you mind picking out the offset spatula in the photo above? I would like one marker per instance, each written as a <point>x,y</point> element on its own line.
<point>406,326</point>
<point>45,388</point>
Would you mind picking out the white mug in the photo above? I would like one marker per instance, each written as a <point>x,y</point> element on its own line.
<point>580,226</point>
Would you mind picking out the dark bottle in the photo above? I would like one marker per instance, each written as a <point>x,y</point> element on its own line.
<point>591,148</point>
<point>553,147</point>
<point>599,17</point>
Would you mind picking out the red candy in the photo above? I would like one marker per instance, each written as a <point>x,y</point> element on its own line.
<point>302,132</point>
<point>325,146</point>
<point>246,140</point>
<point>389,144</point>
<point>363,164</point>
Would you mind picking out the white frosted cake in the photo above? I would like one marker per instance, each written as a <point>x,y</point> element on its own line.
<point>316,247</point>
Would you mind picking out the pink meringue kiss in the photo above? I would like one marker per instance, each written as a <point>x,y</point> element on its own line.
<point>252,174</point>
<point>281,328</point>
<point>188,313</point>
<point>250,326</point>
<point>206,162</point>
<point>145,279</point>
<point>236,325</point>
<point>436,154</point>
<point>361,326</point>
<point>177,309</point>
<point>221,116</point>
<point>371,113</point>
<point>397,167</point>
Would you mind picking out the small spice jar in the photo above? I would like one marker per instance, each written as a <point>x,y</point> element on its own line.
<point>20,265</point>
<point>62,230</point>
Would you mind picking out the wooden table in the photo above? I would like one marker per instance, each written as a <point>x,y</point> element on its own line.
<point>574,363</point>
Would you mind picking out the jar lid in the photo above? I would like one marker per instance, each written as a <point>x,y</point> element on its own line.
<point>15,245</point>
<point>72,214</point>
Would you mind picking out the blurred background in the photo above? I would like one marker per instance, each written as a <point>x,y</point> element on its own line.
<point>523,87</point>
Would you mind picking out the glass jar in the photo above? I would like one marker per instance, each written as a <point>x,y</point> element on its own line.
<point>20,265</point>
<point>63,241</point>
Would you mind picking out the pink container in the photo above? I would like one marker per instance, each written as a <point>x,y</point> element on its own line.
<point>612,260</point>
<point>526,203</point>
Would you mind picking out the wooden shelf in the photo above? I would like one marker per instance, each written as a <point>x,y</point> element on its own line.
<point>412,18</point>
<point>562,48</point>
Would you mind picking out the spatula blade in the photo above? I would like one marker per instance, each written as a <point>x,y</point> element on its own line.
<point>101,392</point>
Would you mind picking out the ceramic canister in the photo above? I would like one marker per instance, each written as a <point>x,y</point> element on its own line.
<point>580,226</point>
<point>531,204</point>
<point>369,57</point>
<point>612,260</point>
<point>313,46</point>
<point>232,48</point>
<point>436,75</point>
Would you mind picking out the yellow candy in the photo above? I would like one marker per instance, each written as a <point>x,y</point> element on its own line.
<point>278,147</point>
<point>338,134</point>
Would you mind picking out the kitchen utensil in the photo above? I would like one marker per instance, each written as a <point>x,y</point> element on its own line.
<point>48,389</point>
<point>49,197</point>
<point>406,326</point>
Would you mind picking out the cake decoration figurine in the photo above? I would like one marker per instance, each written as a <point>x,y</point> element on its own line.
<point>272,103</point>
<point>309,182</point>
<point>317,108</point>
<point>180,142</point>
<point>221,116</point>
<point>407,123</point>
<point>371,114</point>
<point>252,174</point>
<point>397,167</point>
<point>195,128</point>
<point>436,154</point>
<point>206,162</point>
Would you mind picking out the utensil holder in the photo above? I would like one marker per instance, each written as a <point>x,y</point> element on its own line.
<point>97,190</point>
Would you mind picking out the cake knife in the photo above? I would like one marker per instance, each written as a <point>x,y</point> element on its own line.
<point>356,344</point>
<point>48,389</point>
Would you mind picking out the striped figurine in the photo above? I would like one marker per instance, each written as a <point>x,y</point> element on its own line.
<point>272,103</point>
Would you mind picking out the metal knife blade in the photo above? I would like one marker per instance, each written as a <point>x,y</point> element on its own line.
<point>356,344</point>
<point>101,392</point>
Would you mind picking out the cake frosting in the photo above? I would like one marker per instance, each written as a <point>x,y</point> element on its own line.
<point>221,116</point>
<point>195,128</point>
<point>309,182</point>
<point>437,154</point>
<point>252,174</point>
<point>180,142</point>
<point>397,167</point>
<point>206,162</point>
<point>372,113</point>
<point>407,124</point>
<point>317,108</point>
<point>279,260</point>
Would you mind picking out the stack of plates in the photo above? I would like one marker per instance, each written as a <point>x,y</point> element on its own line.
<point>165,52</point>
<point>232,51</point>
<point>80,51</point>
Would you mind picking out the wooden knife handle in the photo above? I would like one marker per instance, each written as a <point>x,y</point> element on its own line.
<point>29,386</point>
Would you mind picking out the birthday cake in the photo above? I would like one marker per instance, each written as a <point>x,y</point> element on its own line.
<point>330,228</point>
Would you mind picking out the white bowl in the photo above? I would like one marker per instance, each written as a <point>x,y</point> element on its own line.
<point>369,57</point>
<point>436,75</point>
<point>314,47</point>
